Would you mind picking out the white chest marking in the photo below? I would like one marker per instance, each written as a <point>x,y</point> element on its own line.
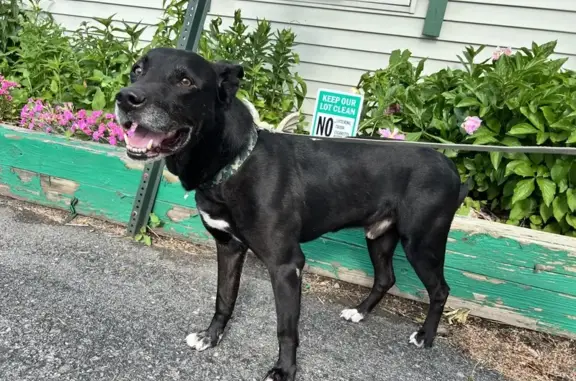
<point>214,223</point>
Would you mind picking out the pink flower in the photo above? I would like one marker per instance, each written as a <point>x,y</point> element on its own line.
<point>471,124</point>
<point>109,116</point>
<point>112,140</point>
<point>500,51</point>
<point>386,133</point>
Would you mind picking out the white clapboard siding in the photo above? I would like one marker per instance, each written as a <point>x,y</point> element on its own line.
<point>338,44</point>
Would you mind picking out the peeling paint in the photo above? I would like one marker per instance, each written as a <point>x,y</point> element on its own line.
<point>179,214</point>
<point>479,297</point>
<point>482,278</point>
<point>131,164</point>
<point>570,268</point>
<point>538,309</point>
<point>171,178</point>
<point>571,317</point>
<point>58,185</point>
<point>13,137</point>
<point>539,268</point>
<point>24,175</point>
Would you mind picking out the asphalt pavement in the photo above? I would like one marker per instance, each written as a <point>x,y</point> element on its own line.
<point>77,304</point>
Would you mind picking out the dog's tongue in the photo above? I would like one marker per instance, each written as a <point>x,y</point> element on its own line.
<point>141,137</point>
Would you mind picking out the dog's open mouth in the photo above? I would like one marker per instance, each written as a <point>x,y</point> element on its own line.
<point>143,144</point>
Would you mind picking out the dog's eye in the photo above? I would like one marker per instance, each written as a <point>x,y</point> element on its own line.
<point>186,82</point>
<point>137,70</point>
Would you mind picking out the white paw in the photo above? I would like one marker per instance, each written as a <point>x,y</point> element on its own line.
<point>352,315</point>
<point>414,341</point>
<point>198,341</point>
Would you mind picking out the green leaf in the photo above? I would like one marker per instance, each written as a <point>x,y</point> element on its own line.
<point>545,212</point>
<point>554,227</point>
<point>496,158</point>
<point>535,118</point>
<point>560,170</point>
<point>486,139</point>
<point>536,219</point>
<point>523,190</point>
<point>511,142</point>
<point>147,240</point>
<point>494,125</point>
<point>541,137</point>
<point>54,86</point>
<point>79,89</point>
<point>467,102</point>
<point>571,220</point>
<point>138,237</point>
<point>523,129</point>
<point>560,207</point>
<point>571,198</point>
<point>99,101</point>
<point>548,189</point>
<point>522,209</point>
<point>413,136</point>
<point>549,114</point>
<point>571,138</point>
<point>520,167</point>
<point>564,124</point>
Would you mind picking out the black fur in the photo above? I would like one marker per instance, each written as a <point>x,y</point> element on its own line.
<point>293,189</point>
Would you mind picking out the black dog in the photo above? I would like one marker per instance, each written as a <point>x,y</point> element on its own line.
<point>269,192</point>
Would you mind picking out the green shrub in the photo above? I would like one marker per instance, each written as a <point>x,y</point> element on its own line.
<point>268,59</point>
<point>88,66</point>
<point>523,98</point>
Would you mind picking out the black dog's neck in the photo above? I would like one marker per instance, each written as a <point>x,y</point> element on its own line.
<point>219,146</point>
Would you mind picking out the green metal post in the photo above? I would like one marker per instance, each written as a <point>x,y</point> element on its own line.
<point>152,173</point>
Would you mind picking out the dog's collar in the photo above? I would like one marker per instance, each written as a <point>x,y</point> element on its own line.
<point>230,169</point>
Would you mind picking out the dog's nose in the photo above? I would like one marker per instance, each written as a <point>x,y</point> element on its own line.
<point>131,98</point>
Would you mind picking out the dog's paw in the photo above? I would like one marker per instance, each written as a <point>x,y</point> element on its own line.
<point>277,374</point>
<point>352,315</point>
<point>421,339</point>
<point>202,341</point>
<point>414,339</point>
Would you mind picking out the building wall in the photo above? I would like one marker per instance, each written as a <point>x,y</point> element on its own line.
<point>341,39</point>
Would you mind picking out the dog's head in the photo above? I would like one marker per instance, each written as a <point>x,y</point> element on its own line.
<point>173,95</point>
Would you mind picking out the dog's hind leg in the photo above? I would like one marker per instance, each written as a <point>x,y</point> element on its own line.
<point>381,252</point>
<point>426,252</point>
<point>231,256</point>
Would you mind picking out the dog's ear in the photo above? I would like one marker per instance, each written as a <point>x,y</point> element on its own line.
<point>229,76</point>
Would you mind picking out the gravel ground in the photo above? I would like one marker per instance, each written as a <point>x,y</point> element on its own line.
<point>77,304</point>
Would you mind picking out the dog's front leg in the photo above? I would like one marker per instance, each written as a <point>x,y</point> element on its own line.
<point>231,257</point>
<point>286,277</point>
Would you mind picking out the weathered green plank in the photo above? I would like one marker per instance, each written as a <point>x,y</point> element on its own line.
<point>85,162</point>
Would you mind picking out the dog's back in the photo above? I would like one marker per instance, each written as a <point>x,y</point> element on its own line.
<point>334,185</point>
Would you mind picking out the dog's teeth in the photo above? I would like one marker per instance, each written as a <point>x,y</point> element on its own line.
<point>126,138</point>
<point>149,146</point>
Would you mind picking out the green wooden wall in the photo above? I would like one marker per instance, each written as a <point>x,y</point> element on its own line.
<point>513,275</point>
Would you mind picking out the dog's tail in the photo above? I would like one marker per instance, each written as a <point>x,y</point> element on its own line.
<point>464,189</point>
